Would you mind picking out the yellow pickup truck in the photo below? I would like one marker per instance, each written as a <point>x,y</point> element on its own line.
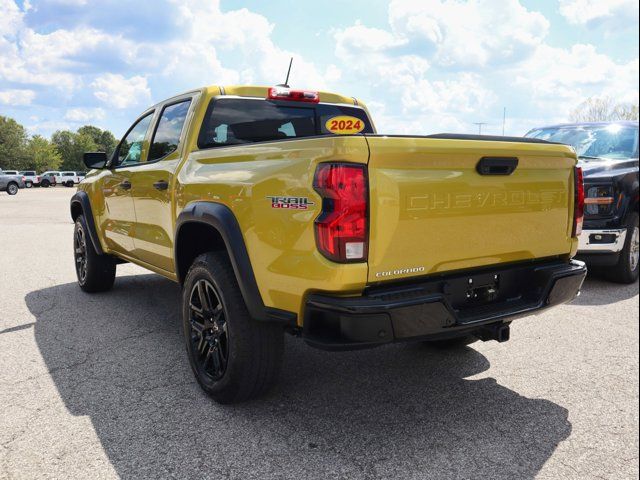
<point>282,210</point>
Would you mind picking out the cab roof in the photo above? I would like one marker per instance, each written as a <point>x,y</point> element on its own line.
<point>629,123</point>
<point>257,91</point>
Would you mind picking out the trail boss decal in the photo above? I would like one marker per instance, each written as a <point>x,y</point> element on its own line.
<point>344,125</point>
<point>291,203</point>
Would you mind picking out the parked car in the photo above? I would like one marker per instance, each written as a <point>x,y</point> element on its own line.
<point>281,210</point>
<point>11,181</point>
<point>49,179</point>
<point>66,178</point>
<point>608,154</point>
<point>31,178</point>
<point>69,179</point>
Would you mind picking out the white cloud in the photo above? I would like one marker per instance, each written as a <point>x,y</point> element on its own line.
<point>444,64</point>
<point>560,79</point>
<point>257,58</point>
<point>613,14</point>
<point>469,34</point>
<point>438,65</point>
<point>47,127</point>
<point>16,97</point>
<point>11,17</point>
<point>464,94</point>
<point>81,115</point>
<point>120,92</point>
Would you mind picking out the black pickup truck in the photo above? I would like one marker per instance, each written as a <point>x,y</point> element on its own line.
<point>608,154</point>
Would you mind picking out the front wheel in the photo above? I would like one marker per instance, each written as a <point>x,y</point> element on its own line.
<point>626,271</point>
<point>12,188</point>
<point>96,273</point>
<point>233,356</point>
<point>45,183</point>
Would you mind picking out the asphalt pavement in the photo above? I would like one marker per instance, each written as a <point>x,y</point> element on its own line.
<point>99,386</point>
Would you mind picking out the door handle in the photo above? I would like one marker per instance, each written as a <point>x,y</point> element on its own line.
<point>161,185</point>
<point>497,165</point>
<point>126,185</point>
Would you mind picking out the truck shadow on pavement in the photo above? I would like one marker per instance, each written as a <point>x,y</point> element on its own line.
<point>393,412</point>
<point>597,290</point>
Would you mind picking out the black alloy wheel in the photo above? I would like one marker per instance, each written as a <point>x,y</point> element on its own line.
<point>209,334</point>
<point>233,357</point>
<point>80,254</point>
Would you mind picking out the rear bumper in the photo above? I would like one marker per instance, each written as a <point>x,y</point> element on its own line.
<point>602,241</point>
<point>439,306</point>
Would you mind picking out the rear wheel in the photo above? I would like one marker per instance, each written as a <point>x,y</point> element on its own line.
<point>233,356</point>
<point>12,188</point>
<point>28,184</point>
<point>96,273</point>
<point>45,183</point>
<point>626,271</point>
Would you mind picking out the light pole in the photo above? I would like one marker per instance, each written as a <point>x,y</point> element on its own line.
<point>504,119</point>
<point>480,124</point>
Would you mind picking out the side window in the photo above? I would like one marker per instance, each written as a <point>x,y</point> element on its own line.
<point>130,149</point>
<point>167,134</point>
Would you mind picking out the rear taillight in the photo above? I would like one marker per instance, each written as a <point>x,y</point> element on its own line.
<point>283,93</point>
<point>578,204</point>
<point>342,228</point>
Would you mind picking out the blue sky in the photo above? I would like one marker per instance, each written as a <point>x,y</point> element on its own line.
<point>422,66</point>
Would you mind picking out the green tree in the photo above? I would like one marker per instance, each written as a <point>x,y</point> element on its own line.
<point>43,155</point>
<point>72,146</point>
<point>104,139</point>
<point>13,142</point>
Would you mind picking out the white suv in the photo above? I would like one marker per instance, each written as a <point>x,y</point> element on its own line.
<point>31,178</point>
<point>68,179</point>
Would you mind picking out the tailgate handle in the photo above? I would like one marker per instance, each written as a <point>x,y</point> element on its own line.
<point>497,165</point>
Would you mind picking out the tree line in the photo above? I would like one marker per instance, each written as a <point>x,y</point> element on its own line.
<point>604,109</point>
<point>19,151</point>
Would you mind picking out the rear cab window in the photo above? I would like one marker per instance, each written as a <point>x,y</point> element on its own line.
<point>166,138</point>
<point>237,121</point>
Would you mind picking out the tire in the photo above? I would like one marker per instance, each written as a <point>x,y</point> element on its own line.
<point>69,184</point>
<point>452,343</point>
<point>233,357</point>
<point>95,273</point>
<point>45,183</point>
<point>12,188</point>
<point>627,269</point>
<point>28,184</point>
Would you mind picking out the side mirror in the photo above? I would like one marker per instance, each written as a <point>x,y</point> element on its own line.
<point>95,159</point>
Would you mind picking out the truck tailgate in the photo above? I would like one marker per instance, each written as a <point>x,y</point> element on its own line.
<point>432,211</point>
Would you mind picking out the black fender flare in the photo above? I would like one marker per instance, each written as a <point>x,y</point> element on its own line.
<point>222,219</point>
<point>82,199</point>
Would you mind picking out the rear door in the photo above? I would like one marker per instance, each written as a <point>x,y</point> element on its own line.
<point>432,210</point>
<point>116,186</point>
<point>153,185</point>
